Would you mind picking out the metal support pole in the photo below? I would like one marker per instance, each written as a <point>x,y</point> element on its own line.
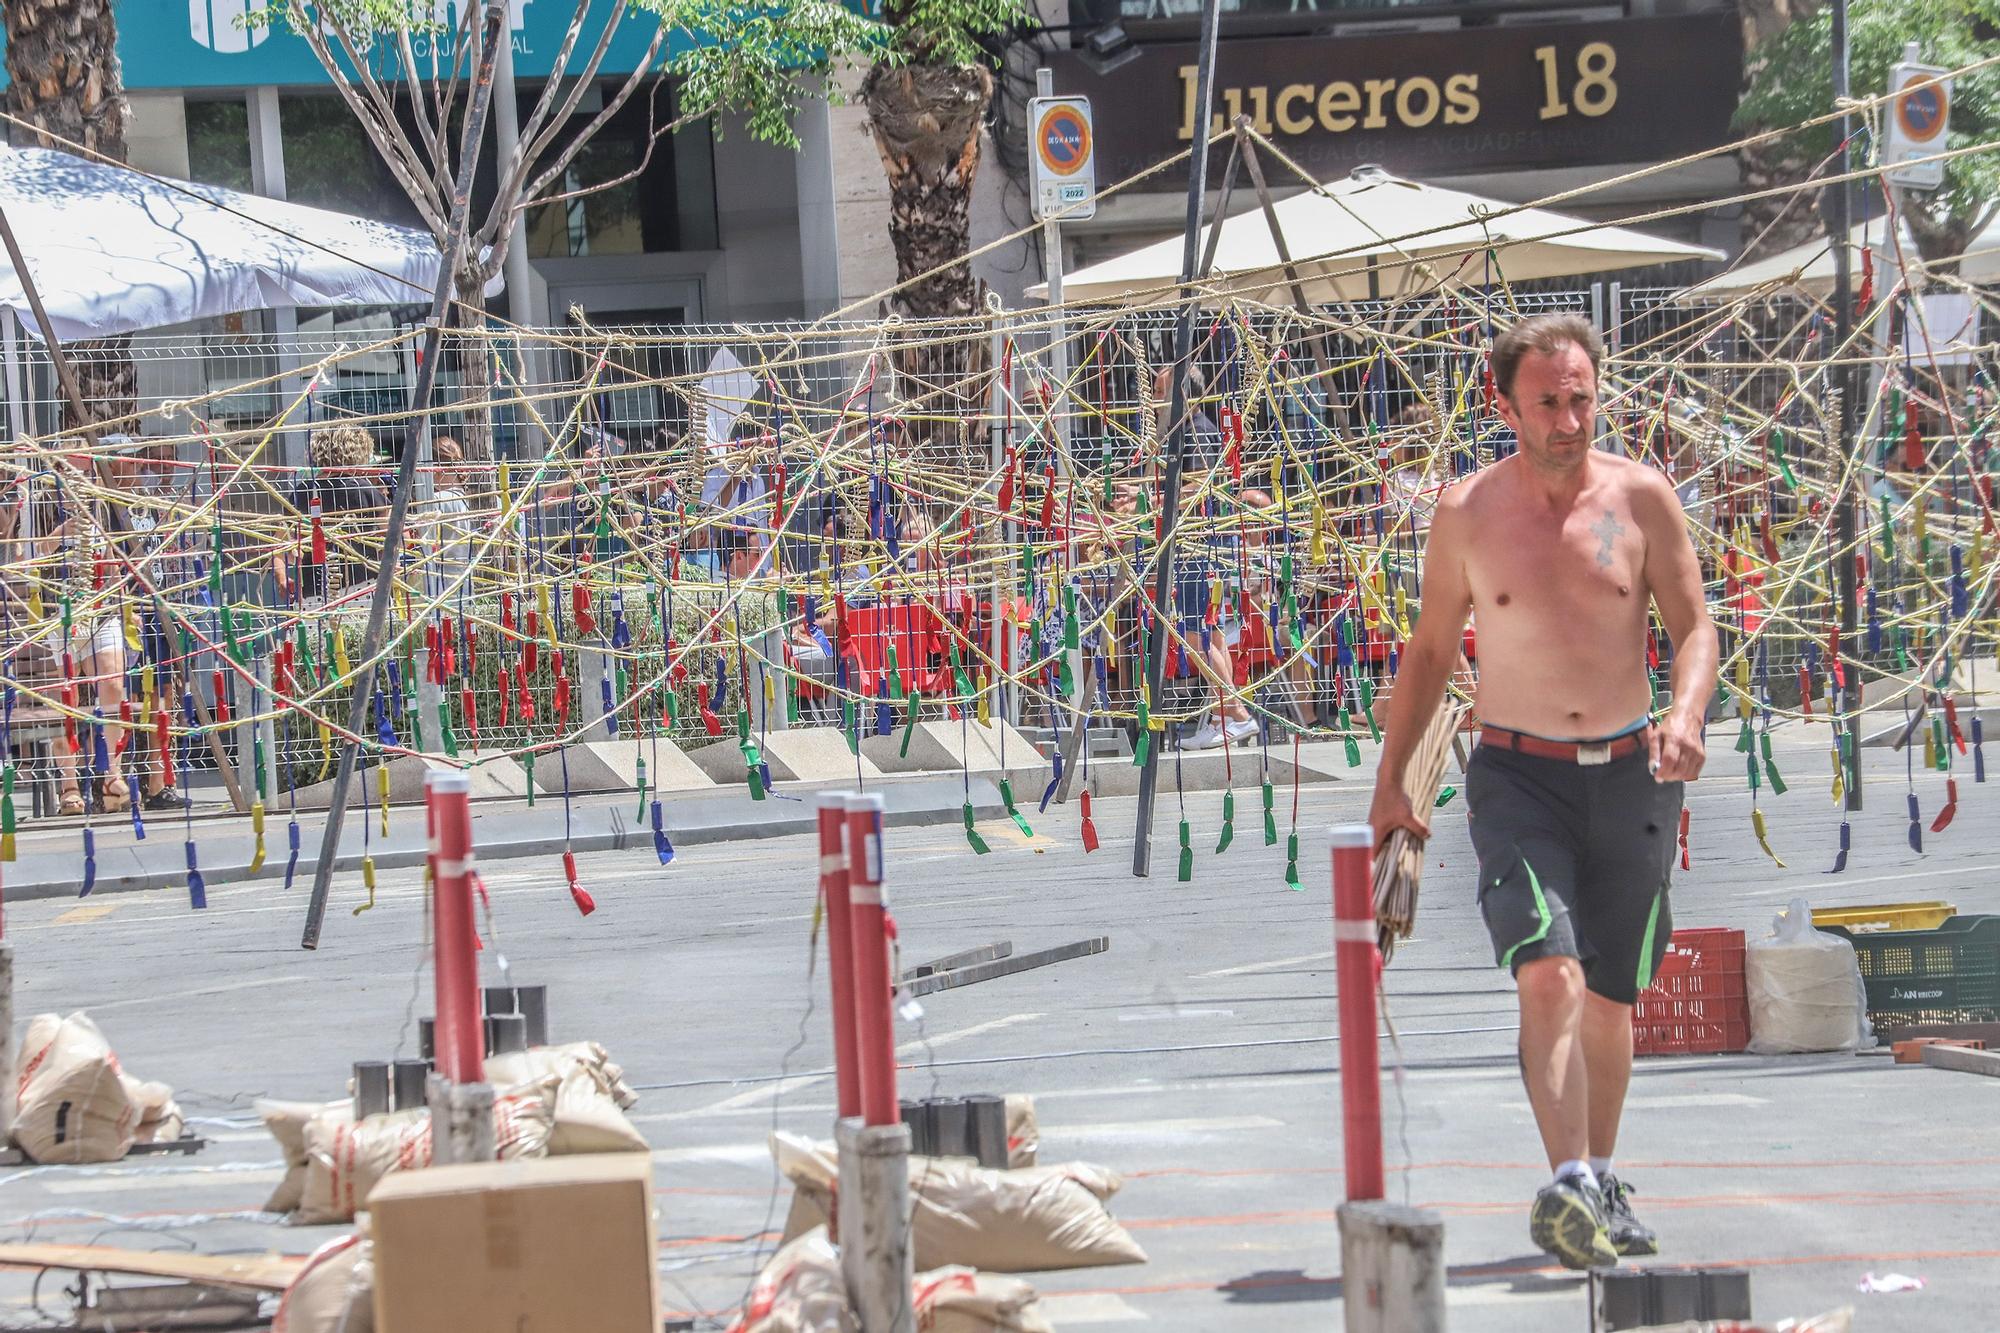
<point>1176,442</point>
<point>494,22</point>
<point>831,808</point>
<point>1357,963</point>
<point>874,1025</point>
<point>1840,226</point>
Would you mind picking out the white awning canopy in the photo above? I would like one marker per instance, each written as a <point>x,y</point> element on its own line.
<point>1407,233</point>
<point>1808,267</point>
<point>113,251</point>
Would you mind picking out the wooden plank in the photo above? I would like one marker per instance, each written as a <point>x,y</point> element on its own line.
<point>1963,1059</point>
<point>1006,967</point>
<point>985,953</point>
<point>258,1272</point>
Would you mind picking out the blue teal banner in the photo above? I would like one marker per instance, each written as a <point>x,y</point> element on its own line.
<point>207,44</point>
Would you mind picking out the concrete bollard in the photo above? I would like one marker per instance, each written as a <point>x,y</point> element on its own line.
<point>461,1122</point>
<point>1391,1268</point>
<point>876,1257</point>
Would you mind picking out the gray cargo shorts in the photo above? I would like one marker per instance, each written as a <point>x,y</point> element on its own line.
<point>1575,862</point>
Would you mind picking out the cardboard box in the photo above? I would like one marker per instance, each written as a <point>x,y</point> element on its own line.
<point>554,1246</point>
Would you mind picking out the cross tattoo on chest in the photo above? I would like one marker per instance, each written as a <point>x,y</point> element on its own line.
<point>1607,530</point>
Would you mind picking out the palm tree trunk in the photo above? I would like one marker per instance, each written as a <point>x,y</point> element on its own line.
<point>63,79</point>
<point>926,121</point>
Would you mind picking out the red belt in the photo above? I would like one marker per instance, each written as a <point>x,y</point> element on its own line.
<point>1569,752</point>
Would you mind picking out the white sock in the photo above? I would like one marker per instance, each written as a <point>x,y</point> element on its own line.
<point>1577,1166</point>
<point>1600,1167</point>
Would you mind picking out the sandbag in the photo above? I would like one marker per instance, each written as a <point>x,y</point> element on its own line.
<point>958,1300</point>
<point>1020,1220</point>
<point>287,1122</point>
<point>1024,1134</point>
<point>590,1116</point>
<point>800,1290</point>
<point>73,1105</point>
<point>160,1118</point>
<point>333,1293</point>
<point>1805,987</point>
<point>345,1158</point>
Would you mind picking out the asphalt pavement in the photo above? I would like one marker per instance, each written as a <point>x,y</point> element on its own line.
<point>1197,1056</point>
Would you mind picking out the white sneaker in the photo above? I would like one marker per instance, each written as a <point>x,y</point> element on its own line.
<point>1208,737</point>
<point>1243,729</point>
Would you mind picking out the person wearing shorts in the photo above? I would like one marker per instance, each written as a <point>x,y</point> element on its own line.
<point>1574,792</point>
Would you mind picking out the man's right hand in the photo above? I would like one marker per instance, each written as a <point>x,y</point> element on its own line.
<point>1391,810</point>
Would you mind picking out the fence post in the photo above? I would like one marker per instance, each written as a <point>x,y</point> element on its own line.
<point>874,1198</point>
<point>461,1102</point>
<point>832,811</point>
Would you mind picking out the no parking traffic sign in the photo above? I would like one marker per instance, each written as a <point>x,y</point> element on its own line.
<point>1062,166</point>
<point>1919,120</point>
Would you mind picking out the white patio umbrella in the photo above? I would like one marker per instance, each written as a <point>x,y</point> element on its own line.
<point>113,251</point>
<point>1405,231</point>
<point>1808,267</point>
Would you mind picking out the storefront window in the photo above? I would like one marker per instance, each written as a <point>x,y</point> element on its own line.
<point>219,142</point>
<point>661,202</point>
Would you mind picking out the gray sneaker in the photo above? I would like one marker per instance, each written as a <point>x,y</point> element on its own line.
<point>1568,1222</point>
<point>1628,1234</point>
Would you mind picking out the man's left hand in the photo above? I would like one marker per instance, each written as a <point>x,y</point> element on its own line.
<point>1677,749</point>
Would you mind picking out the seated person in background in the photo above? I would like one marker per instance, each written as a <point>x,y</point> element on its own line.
<point>445,520</point>
<point>344,490</point>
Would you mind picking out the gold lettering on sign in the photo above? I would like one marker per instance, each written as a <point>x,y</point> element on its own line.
<point>1337,101</point>
<point>1377,90</point>
<point>1290,94</point>
<point>1412,103</point>
<point>1417,90</point>
<point>1461,95</point>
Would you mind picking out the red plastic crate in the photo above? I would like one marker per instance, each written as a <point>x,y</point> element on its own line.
<point>1698,1003</point>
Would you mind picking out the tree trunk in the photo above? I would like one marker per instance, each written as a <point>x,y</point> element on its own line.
<point>63,78</point>
<point>926,121</point>
<point>1781,221</point>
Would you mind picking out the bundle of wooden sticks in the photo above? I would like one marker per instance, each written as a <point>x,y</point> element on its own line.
<point>1399,865</point>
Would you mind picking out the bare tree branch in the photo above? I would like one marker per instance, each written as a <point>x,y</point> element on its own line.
<point>365,111</point>
<point>653,137</point>
<point>415,84</point>
<point>384,100</point>
<point>584,78</point>
<point>532,126</point>
<point>600,120</point>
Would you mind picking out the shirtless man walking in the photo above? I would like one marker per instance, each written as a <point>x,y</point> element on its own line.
<point>1574,791</point>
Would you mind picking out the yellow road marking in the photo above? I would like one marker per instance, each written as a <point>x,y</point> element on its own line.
<point>77,916</point>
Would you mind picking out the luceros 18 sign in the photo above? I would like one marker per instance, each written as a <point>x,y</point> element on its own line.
<point>1063,172</point>
<point>1431,103</point>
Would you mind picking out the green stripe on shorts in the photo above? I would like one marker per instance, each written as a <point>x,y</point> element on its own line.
<point>1646,945</point>
<point>1541,909</point>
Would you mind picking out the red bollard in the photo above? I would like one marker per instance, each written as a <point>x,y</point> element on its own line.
<point>461,1043</point>
<point>874,1029</point>
<point>1359,965</point>
<point>832,807</point>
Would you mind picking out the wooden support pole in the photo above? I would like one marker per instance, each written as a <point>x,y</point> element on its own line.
<point>1391,1268</point>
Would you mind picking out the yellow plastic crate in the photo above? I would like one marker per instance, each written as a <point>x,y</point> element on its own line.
<point>1886,916</point>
